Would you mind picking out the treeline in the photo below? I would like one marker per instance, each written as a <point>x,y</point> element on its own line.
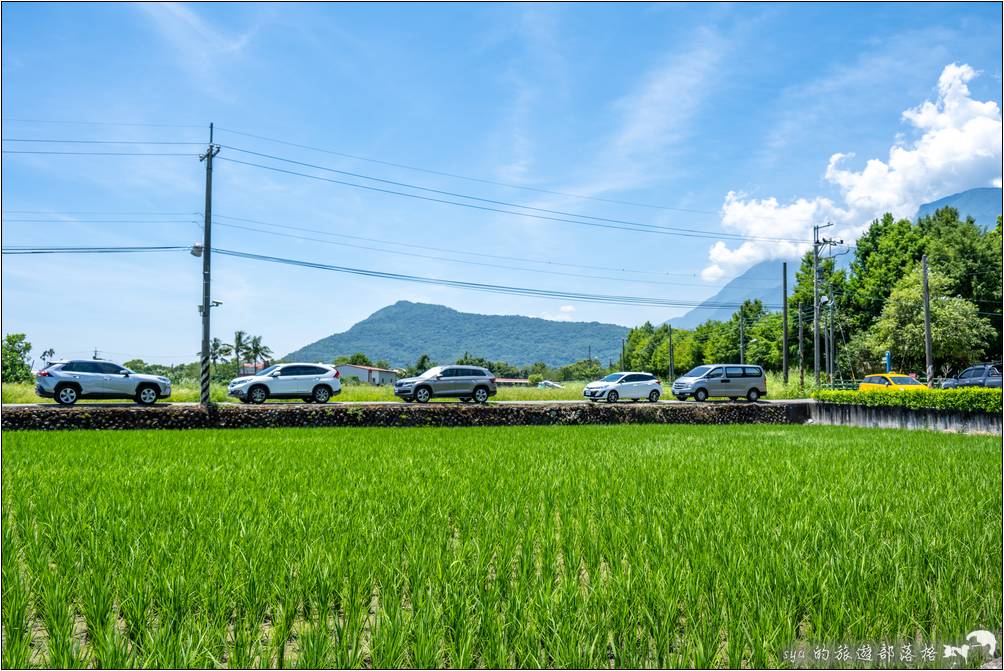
<point>876,305</point>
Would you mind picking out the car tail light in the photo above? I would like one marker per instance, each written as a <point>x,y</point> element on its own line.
<point>337,374</point>
<point>492,380</point>
<point>42,373</point>
<point>658,381</point>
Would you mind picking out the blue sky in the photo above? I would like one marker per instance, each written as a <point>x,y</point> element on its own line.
<point>732,114</point>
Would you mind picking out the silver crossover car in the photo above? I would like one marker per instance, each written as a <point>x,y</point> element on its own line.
<point>731,380</point>
<point>311,382</point>
<point>616,386</point>
<point>468,383</point>
<point>69,381</point>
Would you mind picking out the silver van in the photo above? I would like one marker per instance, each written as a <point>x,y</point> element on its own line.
<point>722,379</point>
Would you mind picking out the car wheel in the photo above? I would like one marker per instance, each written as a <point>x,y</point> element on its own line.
<point>67,395</point>
<point>321,394</point>
<point>422,394</point>
<point>753,395</point>
<point>612,396</point>
<point>701,395</point>
<point>258,394</point>
<point>680,397</point>
<point>481,395</point>
<point>146,395</point>
<point>653,396</point>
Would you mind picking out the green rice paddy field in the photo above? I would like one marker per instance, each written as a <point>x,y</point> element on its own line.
<point>592,546</point>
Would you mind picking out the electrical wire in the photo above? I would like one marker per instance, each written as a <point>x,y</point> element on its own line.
<point>94,153</point>
<point>99,141</point>
<point>476,286</point>
<point>25,249</point>
<point>689,231</point>
<point>104,123</point>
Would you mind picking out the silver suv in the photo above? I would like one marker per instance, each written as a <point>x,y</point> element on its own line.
<point>69,381</point>
<point>311,382</point>
<point>468,383</point>
<point>731,380</point>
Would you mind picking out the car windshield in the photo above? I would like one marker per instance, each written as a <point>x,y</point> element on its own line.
<point>432,372</point>
<point>903,379</point>
<point>698,372</point>
<point>613,377</point>
<point>266,371</point>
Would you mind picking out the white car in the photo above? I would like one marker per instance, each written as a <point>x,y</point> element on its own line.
<point>548,384</point>
<point>312,382</point>
<point>616,386</point>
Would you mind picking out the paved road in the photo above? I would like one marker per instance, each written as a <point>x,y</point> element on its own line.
<point>366,403</point>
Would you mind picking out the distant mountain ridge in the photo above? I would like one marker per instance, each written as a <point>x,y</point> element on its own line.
<point>982,204</point>
<point>402,332</point>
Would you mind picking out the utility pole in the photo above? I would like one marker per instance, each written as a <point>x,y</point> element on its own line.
<point>928,347</point>
<point>623,341</point>
<point>784,334</point>
<point>815,300</point>
<point>590,354</point>
<point>207,250</point>
<point>672,363</point>
<point>833,342</point>
<point>741,334</point>
<point>801,338</point>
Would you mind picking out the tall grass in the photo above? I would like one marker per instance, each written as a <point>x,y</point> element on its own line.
<point>596,546</point>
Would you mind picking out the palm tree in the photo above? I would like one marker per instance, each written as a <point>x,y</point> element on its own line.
<point>239,346</point>
<point>218,350</point>
<point>258,351</point>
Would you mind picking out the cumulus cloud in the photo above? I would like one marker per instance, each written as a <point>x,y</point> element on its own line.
<point>958,147</point>
<point>567,308</point>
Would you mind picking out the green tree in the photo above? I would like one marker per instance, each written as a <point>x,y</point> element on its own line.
<point>258,351</point>
<point>958,333</point>
<point>239,346</point>
<point>359,359</point>
<point>16,366</point>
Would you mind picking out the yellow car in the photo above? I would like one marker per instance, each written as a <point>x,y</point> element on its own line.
<point>890,382</point>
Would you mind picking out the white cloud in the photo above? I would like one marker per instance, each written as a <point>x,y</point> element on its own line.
<point>567,308</point>
<point>958,148</point>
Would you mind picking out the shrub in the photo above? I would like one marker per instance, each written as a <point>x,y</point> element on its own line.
<point>971,400</point>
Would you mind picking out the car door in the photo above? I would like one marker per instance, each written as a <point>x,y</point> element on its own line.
<point>286,382</point>
<point>971,376</point>
<point>113,380</point>
<point>734,381</point>
<point>444,383</point>
<point>714,381</point>
<point>92,378</point>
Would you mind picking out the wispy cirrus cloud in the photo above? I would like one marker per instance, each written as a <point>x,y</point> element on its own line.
<point>957,147</point>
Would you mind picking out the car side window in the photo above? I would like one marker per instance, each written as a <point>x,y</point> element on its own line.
<point>632,378</point>
<point>717,372</point>
<point>88,367</point>
<point>994,371</point>
<point>750,371</point>
<point>734,371</point>
<point>110,368</point>
<point>289,370</point>
<point>70,367</point>
<point>313,370</point>
<point>449,372</point>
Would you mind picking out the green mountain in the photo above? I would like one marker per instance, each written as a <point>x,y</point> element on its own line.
<point>983,205</point>
<point>402,332</point>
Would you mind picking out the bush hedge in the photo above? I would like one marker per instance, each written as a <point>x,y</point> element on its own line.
<point>970,400</point>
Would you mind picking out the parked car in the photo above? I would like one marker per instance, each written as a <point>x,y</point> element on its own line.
<point>548,384</point>
<point>468,383</point>
<point>980,375</point>
<point>890,382</point>
<point>312,382</point>
<point>72,380</point>
<point>732,380</point>
<point>616,386</point>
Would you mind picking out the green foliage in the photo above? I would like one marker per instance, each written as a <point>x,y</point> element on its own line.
<point>16,361</point>
<point>970,399</point>
<point>958,334</point>
<point>522,547</point>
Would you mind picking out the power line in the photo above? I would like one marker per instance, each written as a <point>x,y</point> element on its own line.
<point>99,221</point>
<point>476,286</point>
<point>465,262</point>
<point>104,123</point>
<point>94,153</point>
<point>464,177</point>
<point>104,212</point>
<point>50,141</point>
<point>25,249</point>
<point>452,251</point>
<point>468,205</point>
<point>690,231</point>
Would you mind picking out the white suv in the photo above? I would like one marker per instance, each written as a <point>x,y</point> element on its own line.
<point>616,386</point>
<point>312,382</point>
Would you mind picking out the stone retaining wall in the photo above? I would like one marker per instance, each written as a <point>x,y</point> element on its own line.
<point>880,417</point>
<point>48,418</point>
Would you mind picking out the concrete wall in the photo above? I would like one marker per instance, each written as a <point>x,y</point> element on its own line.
<point>905,418</point>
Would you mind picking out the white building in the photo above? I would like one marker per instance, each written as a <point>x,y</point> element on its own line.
<point>367,374</point>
